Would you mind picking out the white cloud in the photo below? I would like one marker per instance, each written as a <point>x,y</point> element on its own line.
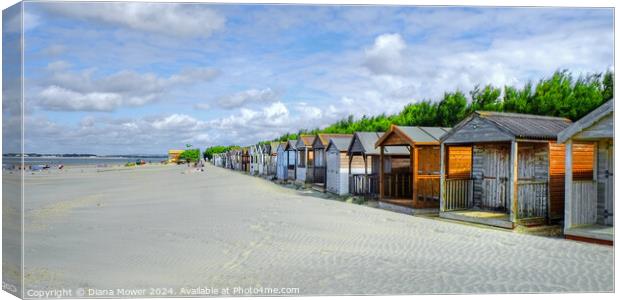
<point>58,98</point>
<point>177,122</point>
<point>81,91</point>
<point>386,56</point>
<point>247,97</point>
<point>172,19</point>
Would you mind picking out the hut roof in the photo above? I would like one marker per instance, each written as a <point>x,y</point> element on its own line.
<point>415,134</point>
<point>484,126</point>
<point>527,126</point>
<point>341,143</point>
<point>266,148</point>
<point>587,121</point>
<point>368,140</point>
<point>322,139</point>
<point>290,144</point>
<point>273,147</point>
<point>305,141</point>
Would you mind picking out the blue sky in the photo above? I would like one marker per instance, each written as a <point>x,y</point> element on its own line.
<point>142,78</point>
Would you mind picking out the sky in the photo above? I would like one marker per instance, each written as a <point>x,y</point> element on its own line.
<point>120,78</point>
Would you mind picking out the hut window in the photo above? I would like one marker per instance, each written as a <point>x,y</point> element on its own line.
<point>459,162</point>
<point>310,157</point>
<point>302,158</point>
<point>583,161</point>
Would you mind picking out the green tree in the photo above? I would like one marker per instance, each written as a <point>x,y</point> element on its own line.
<point>608,86</point>
<point>191,155</point>
<point>451,109</point>
<point>518,101</point>
<point>487,98</point>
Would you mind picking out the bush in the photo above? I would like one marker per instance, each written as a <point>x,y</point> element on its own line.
<point>191,155</point>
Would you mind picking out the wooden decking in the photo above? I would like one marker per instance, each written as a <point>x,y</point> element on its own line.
<point>591,233</point>
<point>492,218</point>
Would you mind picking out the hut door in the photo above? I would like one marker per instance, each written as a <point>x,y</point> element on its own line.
<point>494,177</point>
<point>609,187</point>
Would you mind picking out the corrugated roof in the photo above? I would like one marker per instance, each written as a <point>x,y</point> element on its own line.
<point>341,143</point>
<point>527,126</point>
<point>368,140</point>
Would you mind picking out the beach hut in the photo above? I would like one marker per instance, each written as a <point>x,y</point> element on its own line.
<point>254,152</point>
<point>262,159</point>
<point>305,159</point>
<point>245,159</point>
<point>282,162</point>
<point>589,190</point>
<point>236,159</point>
<point>291,159</point>
<point>366,182</point>
<point>173,156</point>
<point>230,154</point>
<point>271,158</point>
<point>411,182</point>
<point>319,171</point>
<point>503,169</point>
<point>338,163</point>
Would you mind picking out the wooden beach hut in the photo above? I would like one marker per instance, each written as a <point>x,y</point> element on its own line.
<point>282,162</point>
<point>319,170</point>
<point>291,160</point>
<point>338,164</point>
<point>245,159</point>
<point>271,156</point>
<point>305,159</point>
<point>589,190</point>
<point>366,182</point>
<point>502,169</point>
<point>410,183</point>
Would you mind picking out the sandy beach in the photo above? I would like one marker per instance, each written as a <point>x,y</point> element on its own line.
<point>170,227</point>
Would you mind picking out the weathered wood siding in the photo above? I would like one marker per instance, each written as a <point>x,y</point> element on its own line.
<point>605,183</point>
<point>532,179</point>
<point>477,130</point>
<point>333,170</point>
<point>602,129</point>
<point>557,158</point>
<point>281,167</point>
<point>491,172</point>
<point>583,209</point>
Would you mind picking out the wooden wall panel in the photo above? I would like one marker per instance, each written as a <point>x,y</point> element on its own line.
<point>556,180</point>
<point>395,139</point>
<point>459,162</point>
<point>583,161</point>
<point>428,160</point>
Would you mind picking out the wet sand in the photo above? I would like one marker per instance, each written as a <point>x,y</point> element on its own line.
<point>169,227</point>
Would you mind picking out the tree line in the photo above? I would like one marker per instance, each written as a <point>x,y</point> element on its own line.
<point>561,95</point>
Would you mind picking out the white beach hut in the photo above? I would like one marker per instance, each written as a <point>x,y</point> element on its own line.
<point>337,165</point>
